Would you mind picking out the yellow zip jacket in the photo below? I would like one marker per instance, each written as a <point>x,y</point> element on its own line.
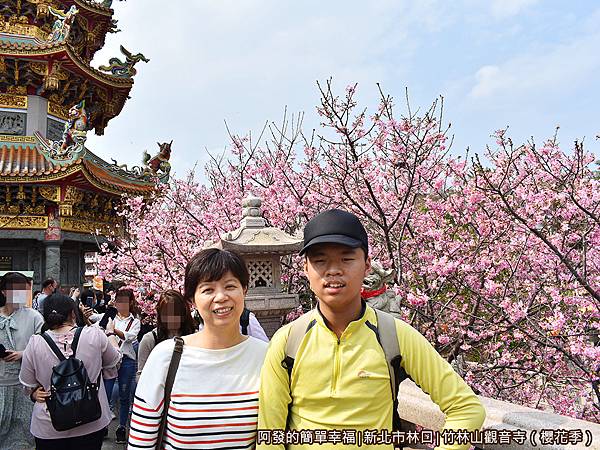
<point>345,385</point>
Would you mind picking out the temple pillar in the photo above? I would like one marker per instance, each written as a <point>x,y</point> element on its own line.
<point>52,261</point>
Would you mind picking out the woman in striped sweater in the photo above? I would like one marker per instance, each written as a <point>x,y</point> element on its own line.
<point>214,401</point>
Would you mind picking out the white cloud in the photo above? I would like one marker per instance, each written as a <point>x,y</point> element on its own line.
<point>502,9</point>
<point>488,78</point>
<point>244,62</point>
<point>556,69</point>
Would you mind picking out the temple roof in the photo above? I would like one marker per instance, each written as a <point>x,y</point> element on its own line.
<point>22,160</point>
<point>93,21</point>
<point>105,93</point>
<point>98,22</point>
<point>91,6</point>
<point>32,47</point>
<point>48,54</point>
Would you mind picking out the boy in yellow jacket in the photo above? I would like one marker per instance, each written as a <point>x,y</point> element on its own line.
<point>339,386</point>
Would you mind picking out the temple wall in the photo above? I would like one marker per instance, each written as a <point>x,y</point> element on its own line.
<point>62,260</point>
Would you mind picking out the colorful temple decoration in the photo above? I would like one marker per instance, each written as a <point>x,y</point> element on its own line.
<point>57,198</point>
<point>124,69</point>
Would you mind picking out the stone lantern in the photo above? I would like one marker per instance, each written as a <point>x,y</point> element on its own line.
<point>262,248</point>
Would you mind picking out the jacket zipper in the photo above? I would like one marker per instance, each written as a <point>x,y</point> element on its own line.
<point>336,368</point>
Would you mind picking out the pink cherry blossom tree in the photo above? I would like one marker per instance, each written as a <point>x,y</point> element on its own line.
<point>496,256</point>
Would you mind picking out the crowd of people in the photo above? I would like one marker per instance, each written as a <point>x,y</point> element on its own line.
<point>205,376</point>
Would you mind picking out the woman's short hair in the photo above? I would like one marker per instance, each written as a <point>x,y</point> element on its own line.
<point>58,309</point>
<point>210,265</point>
<point>181,308</point>
<point>130,296</point>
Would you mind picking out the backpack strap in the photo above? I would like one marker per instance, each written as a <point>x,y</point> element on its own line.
<point>175,358</point>
<point>155,336</point>
<point>53,346</point>
<point>76,340</point>
<point>245,321</point>
<point>298,328</point>
<point>388,338</point>
<point>126,330</point>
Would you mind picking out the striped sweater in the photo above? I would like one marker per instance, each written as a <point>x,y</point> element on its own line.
<point>214,402</point>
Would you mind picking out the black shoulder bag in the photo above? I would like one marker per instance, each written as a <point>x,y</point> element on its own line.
<point>175,358</point>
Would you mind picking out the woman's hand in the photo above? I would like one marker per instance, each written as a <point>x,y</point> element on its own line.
<point>110,327</point>
<point>13,356</point>
<point>39,395</point>
<point>86,313</point>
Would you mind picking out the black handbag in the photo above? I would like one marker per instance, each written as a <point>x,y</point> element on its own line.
<point>175,358</point>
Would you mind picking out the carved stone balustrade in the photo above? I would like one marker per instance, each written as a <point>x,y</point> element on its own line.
<point>417,408</point>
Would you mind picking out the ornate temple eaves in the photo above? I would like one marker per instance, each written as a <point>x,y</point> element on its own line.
<point>46,47</point>
<point>91,7</point>
<point>22,161</point>
<point>57,52</point>
<point>87,8</point>
<point>65,78</point>
<point>107,78</point>
<point>115,184</point>
<point>88,22</point>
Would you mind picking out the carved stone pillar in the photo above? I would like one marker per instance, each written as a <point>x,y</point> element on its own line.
<point>52,261</point>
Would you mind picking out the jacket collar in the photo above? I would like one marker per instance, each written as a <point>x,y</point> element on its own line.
<point>366,314</point>
<point>130,316</point>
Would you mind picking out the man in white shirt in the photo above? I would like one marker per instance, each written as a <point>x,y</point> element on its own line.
<point>48,288</point>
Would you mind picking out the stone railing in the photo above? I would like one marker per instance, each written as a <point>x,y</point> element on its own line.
<point>543,430</point>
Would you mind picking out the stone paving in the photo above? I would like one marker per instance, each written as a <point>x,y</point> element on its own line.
<point>109,441</point>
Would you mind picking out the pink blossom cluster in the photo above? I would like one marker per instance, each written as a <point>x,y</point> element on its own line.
<point>496,257</point>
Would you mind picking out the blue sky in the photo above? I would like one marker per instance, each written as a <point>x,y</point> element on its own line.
<point>527,64</point>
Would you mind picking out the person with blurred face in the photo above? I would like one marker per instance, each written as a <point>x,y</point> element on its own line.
<point>125,327</point>
<point>75,294</point>
<point>94,350</point>
<point>214,397</point>
<point>173,318</point>
<point>49,287</point>
<point>17,324</point>
<point>339,379</point>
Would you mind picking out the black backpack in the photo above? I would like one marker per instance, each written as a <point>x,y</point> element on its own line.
<point>245,321</point>
<point>73,398</point>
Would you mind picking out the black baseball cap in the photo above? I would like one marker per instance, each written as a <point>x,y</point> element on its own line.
<point>335,227</point>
